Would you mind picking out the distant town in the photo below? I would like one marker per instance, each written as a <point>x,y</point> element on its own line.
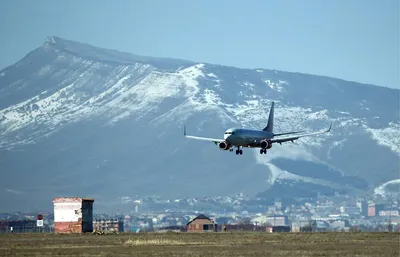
<point>240,212</point>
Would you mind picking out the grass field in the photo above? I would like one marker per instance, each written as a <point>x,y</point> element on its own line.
<point>203,244</point>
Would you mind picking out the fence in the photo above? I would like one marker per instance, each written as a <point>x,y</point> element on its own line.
<point>23,226</point>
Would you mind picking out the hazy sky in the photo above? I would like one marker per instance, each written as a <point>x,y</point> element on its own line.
<point>355,40</point>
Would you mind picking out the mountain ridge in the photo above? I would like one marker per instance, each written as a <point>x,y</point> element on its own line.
<point>67,41</point>
<point>59,41</point>
<point>68,116</point>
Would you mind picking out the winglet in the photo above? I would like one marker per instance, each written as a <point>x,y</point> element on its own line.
<point>184,130</point>
<point>330,126</point>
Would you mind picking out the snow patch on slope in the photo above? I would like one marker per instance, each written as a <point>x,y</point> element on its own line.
<point>139,89</point>
<point>276,86</point>
<point>280,174</point>
<point>71,103</point>
<point>151,91</point>
<point>38,110</point>
<point>388,137</point>
<point>249,86</point>
<point>334,145</point>
<point>121,95</point>
<point>293,152</point>
<point>382,190</point>
<point>211,97</point>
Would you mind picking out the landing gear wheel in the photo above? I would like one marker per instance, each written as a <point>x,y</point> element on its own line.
<point>239,151</point>
<point>263,151</point>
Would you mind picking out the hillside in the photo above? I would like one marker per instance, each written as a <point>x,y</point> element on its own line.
<point>80,120</point>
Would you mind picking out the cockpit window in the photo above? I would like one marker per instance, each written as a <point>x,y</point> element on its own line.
<point>229,133</point>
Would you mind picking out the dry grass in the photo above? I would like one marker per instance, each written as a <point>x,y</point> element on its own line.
<point>207,244</point>
<point>158,241</point>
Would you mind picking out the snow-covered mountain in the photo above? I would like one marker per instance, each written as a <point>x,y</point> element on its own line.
<point>78,120</point>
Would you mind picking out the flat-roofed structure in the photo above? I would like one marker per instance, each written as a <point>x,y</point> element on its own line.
<point>73,214</point>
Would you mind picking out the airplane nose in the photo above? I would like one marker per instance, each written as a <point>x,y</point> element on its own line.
<point>226,137</point>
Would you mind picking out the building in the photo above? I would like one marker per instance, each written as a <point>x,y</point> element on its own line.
<point>244,227</point>
<point>371,210</point>
<point>278,220</point>
<point>389,213</point>
<point>116,225</point>
<point>73,215</point>
<point>364,208</point>
<point>281,229</point>
<point>201,224</point>
<point>374,209</point>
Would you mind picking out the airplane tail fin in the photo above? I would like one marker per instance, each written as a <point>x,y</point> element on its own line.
<point>270,125</point>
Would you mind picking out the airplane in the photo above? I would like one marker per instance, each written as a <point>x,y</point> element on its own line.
<point>252,138</point>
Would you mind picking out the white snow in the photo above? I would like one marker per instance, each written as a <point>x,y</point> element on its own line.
<point>334,145</point>
<point>388,137</point>
<point>277,173</point>
<point>150,91</point>
<point>44,71</point>
<point>135,90</point>
<point>339,143</point>
<point>280,174</point>
<point>211,98</point>
<point>275,86</point>
<point>380,190</point>
<point>249,86</point>
<point>252,103</point>
<point>68,104</point>
<point>318,115</point>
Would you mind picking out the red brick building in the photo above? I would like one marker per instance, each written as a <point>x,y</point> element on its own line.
<point>73,215</point>
<point>201,224</point>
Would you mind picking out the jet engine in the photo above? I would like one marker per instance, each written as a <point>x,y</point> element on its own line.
<point>265,144</point>
<point>224,145</point>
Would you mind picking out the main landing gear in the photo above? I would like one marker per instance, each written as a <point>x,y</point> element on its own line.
<point>263,151</point>
<point>238,151</point>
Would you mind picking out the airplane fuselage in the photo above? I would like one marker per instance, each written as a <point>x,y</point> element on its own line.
<point>245,137</point>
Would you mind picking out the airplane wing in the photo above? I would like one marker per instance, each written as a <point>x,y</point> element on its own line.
<point>214,140</point>
<point>288,133</point>
<point>286,139</point>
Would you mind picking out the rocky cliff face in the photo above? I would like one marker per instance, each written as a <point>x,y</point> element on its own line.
<point>84,121</point>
